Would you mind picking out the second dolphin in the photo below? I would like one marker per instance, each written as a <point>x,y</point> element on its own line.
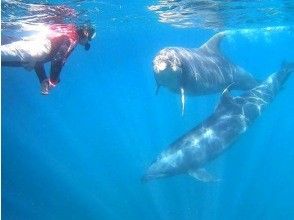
<point>233,115</point>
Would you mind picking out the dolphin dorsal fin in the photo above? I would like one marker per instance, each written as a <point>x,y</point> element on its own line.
<point>212,45</point>
<point>226,98</point>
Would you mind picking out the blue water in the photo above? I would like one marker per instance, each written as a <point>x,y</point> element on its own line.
<point>80,152</point>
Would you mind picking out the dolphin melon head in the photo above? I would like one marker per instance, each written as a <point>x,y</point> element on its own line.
<point>166,165</point>
<point>158,169</point>
<point>167,69</point>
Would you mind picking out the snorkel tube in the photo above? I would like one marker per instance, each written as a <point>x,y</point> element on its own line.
<point>88,33</point>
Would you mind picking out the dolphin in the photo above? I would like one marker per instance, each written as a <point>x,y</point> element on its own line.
<point>231,118</point>
<point>199,71</point>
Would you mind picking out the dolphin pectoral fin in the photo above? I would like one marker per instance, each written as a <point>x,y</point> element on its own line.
<point>228,88</point>
<point>202,175</point>
<point>157,89</point>
<point>183,100</point>
<point>226,95</point>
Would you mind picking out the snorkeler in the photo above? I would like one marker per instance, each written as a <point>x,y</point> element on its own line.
<point>51,43</point>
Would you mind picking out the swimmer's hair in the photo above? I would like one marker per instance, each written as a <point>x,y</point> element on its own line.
<point>86,28</point>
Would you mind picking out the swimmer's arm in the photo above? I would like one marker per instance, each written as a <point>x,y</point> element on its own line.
<point>58,61</point>
<point>56,67</point>
<point>40,71</point>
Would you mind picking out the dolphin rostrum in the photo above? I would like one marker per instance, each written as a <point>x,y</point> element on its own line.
<point>232,116</point>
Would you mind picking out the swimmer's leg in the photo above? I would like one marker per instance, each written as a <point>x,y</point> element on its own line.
<point>25,52</point>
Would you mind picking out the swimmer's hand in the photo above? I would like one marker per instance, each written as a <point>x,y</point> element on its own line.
<point>46,86</point>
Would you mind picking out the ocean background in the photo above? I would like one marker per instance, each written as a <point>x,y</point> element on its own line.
<point>79,153</point>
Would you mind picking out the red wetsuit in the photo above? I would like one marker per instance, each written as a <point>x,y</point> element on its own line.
<point>63,38</point>
<point>64,35</point>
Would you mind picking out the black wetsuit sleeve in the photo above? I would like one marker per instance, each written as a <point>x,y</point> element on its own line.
<point>58,60</point>
<point>40,71</point>
<point>56,66</point>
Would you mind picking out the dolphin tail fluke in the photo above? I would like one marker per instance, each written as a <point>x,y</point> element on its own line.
<point>287,66</point>
<point>286,69</point>
<point>245,80</point>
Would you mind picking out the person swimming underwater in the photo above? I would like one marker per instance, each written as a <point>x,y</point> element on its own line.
<point>51,43</point>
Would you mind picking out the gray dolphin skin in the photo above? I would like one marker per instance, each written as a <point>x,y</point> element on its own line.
<point>231,118</point>
<point>199,71</point>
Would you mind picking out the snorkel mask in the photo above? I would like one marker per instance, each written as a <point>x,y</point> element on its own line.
<point>88,32</point>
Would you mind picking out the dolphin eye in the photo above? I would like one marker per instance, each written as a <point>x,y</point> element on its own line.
<point>175,68</point>
<point>177,61</point>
